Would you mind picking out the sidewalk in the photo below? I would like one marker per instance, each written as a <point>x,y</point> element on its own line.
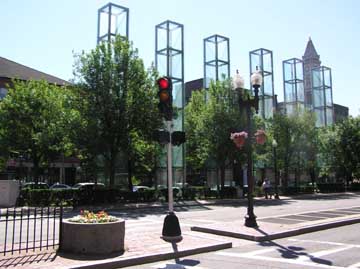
<point>140,248</point>
<point>145,245</point>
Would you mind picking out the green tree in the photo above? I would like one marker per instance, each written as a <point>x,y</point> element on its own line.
<point>121,97</point>
<point>340,145</point>
<point>209,124</point>
<point>196,145</point>
<point>296,137</point>
<point>39,119</point>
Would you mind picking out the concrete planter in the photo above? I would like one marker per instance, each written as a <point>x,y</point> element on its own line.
<point>94,238</point>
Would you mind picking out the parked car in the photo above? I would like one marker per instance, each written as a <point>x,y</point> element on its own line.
<point>140,188</point>
<point>60,186</point>
<point>177,190</point>
<point>33,185</point>
<point>88,186</point>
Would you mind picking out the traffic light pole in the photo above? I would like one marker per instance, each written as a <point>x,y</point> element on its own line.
<point>171,229</point>
<point>169,168</point>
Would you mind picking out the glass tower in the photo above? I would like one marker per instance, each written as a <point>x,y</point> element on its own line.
<point>169,61</point>
<point>322,96</point>
<point>216,59</point>
<point>293,76</point>
<point>263,60</point>
<point>112,20</point>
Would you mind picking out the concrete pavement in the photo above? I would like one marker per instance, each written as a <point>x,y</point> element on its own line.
<point>143,242</point>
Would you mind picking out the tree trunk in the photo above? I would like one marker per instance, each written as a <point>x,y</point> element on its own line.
<point>286,176</point>
<point>263,174</point>
<point>130,173</point>
<point>312,177</point>
<point>296,177</point>
<point>222,175</point>
<point>112,164</point>
<point>36,169</point>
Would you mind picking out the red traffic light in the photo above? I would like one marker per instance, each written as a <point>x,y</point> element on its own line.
<point>163,83</point>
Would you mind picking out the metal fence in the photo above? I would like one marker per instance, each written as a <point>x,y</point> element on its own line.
<point>24,229</point>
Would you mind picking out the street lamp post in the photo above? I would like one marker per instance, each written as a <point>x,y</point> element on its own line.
<point>249,103</point>
<point>274,146</point>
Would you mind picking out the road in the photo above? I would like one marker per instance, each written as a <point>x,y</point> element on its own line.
<point>152,219</point>
<point>334,248</point>
<point>142,221</point>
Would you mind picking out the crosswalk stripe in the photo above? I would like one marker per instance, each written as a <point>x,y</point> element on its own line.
<point>322,253</point>
<point>323,242</point>
<point>280,260</point>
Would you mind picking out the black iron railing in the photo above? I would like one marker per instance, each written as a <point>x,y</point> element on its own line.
<point>24,229</point>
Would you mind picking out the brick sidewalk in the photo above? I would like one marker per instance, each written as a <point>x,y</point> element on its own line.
<point>146,246</point>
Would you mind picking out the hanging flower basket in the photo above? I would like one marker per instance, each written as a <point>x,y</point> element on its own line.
<point>239,138</point>
<point>260,137</point>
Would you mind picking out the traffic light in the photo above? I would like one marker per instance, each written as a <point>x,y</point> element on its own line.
<point>161,136</point>
<point>165,97</point>
<point>178,138</point>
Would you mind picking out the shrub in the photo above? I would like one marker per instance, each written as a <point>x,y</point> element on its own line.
<point>355,186</point>
<point>228,192</point>
<point>331,187</point>
<point>45,197</point>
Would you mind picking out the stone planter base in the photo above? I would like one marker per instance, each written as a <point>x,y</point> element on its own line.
<point>95,238</point>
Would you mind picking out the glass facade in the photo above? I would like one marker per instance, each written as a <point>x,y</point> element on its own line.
<point>293,77</point>
<point>169,61</point>
<point>112,20</point>
<point>263,60</point>
<point>322,96</point>
<point>3,92</point>
<point>216,59</point>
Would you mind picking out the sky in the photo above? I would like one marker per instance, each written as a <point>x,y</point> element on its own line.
<point>45,34</point>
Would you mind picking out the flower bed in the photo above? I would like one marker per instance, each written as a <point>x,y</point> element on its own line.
<point>90,233</point>
<point>91,217</point>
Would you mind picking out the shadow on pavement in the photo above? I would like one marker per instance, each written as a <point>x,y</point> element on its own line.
<point>27,259</point>
<point>292,252</point>
<point>185,262</point>
<point>81,257</point>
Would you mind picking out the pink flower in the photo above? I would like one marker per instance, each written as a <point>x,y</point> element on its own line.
<point>239,138</point>
<point>260,136</point>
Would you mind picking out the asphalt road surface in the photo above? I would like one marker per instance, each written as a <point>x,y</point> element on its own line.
<point>333,248</point>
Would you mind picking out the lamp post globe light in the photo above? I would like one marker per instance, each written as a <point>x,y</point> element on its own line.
<point>248,104</point>
<point>274,146</point>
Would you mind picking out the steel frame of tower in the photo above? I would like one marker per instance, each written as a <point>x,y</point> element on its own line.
<point>215,62</point>
<point>322,102</point>
<point>169,51</point>
<point>109,10</point>
<point>296,84</point>
<point>266,73</point>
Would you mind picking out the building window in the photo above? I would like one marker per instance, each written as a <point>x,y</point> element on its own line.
<point>3,93</point>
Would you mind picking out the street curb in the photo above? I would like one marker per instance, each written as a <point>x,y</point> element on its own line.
<point>268,237</point>
<point>131,261</point>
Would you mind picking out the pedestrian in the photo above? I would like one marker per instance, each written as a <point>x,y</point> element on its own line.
<point>267,188</point>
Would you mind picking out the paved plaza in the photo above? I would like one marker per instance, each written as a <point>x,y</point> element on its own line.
<point>206,226</point>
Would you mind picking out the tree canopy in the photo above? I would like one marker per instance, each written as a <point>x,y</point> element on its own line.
<point>39,119</point>
<point>211,116</point>
<point>121,111</point>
